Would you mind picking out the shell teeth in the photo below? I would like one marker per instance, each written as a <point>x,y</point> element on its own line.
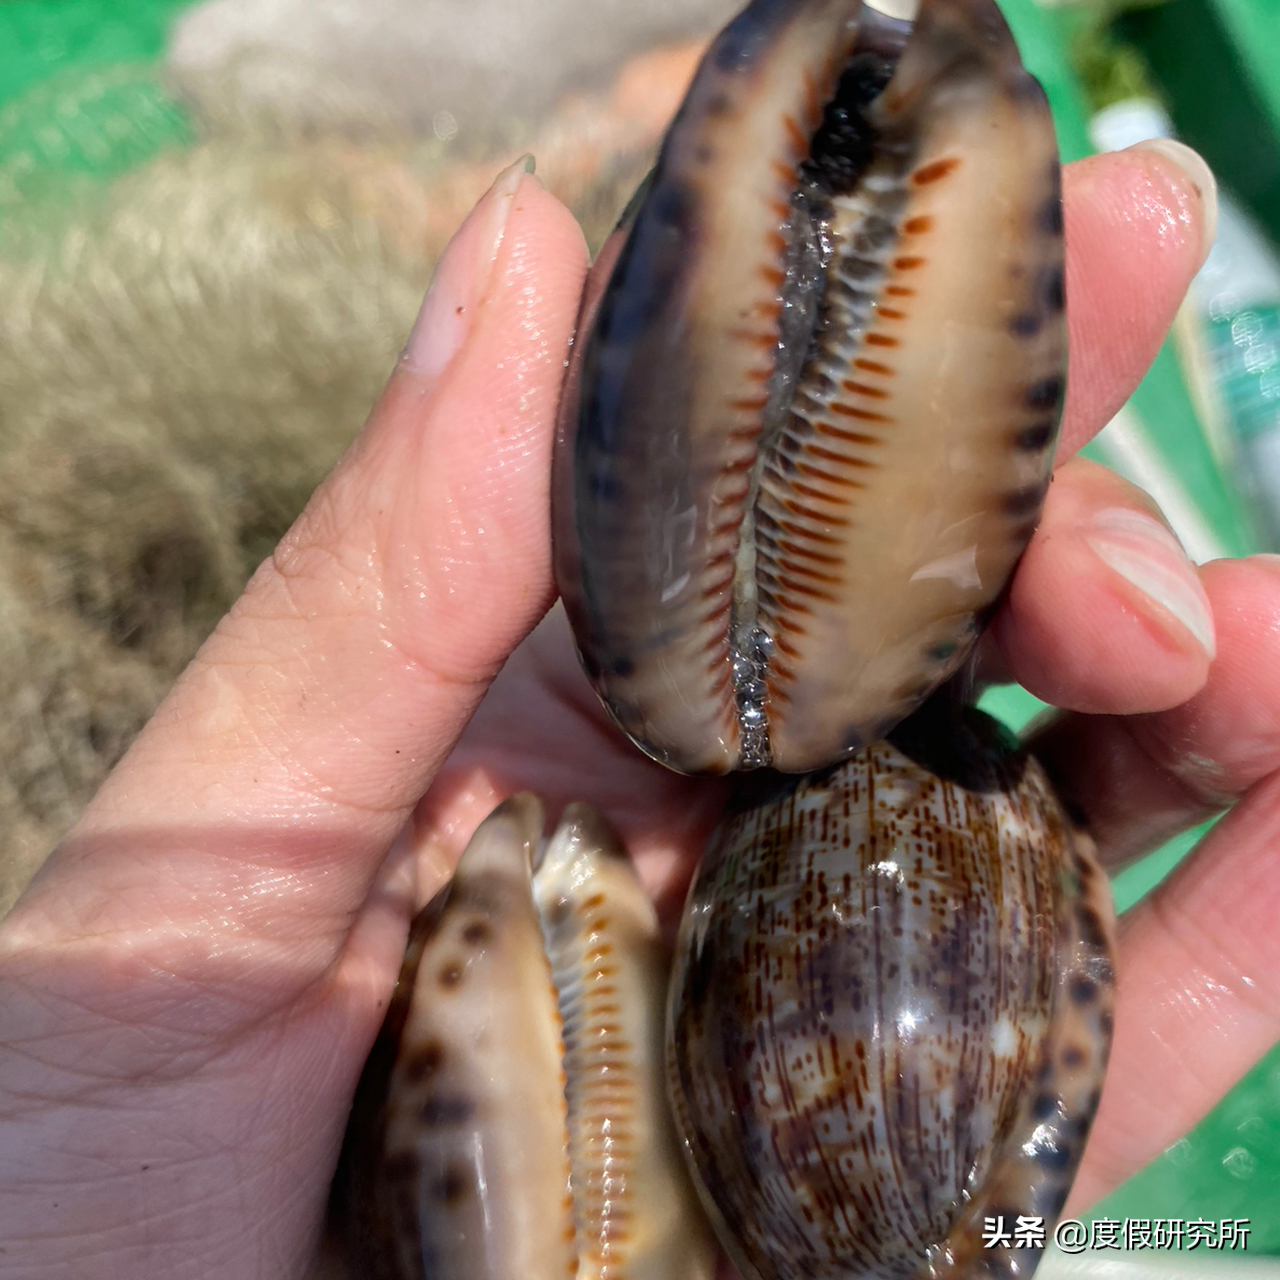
<point>512,1118</point>
<point>854,338</point>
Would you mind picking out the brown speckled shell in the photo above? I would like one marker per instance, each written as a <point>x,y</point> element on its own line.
<point>890,1012</point>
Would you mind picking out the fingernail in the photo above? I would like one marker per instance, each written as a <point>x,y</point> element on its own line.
<point>1196,170</point>
<point>462,275</point>
<point>1143,552</point>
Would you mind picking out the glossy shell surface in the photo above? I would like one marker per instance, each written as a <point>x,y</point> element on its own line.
<point>511,1120</point>
<point>816,385</point>
<point>891,1012</point>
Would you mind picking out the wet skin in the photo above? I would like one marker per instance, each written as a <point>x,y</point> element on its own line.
<point>190,987</point>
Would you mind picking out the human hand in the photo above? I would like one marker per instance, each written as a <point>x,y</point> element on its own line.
<point>190,987</point>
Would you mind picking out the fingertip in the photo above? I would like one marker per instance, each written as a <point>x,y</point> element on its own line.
<point>550,219</point>
<point>517,230</point>
<point>1138,226</point>
<point>1106,615</point>
<point>1191,181</point>
<point>544,241</point>
<point>1226,737</point>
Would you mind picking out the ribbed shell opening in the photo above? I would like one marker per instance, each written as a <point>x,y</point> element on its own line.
<point>826,299</point>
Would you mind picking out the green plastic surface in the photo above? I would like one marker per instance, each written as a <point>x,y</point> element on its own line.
<point>1224,100</point>
<point>39,38</point>
<point>80,101</point>
<point>1254,28</point>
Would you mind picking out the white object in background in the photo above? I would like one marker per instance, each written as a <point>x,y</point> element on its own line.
<point>1237,297</point>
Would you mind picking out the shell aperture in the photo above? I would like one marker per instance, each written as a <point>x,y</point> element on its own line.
<point>512,1120</point>
<point>815,390</point>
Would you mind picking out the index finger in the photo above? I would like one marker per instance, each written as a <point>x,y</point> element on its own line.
<point>1139,224</point>
<point>328,696</point>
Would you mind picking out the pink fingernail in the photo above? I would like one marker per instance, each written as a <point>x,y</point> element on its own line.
<point>462,276</point>
<point>1143,552</point>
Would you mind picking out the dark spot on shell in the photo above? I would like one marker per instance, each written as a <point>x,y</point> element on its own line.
<point>401,1166</point>
<point>1099,968</point>
<point>1090,926</point>
<point>741,43</point>
<point>1084,990</point>
<point>476,932</point>
<point>1050,1198</point>
<point>673,206</point>
<point>1049,216</point>
<point>704,154</point>
<point>441,1109</point>
<point>941,652</point>
<point>1073,1056</point>
<point>1045,1106</point>
<point>1024,501</point>
<point>424,1062</point>
<point>451,974</point>
<point>1106,1022</point>
<point>622,667</point>
<point>1026,325</point>
<point>1054,1155</point>
<point>453,1185</point>
<point>1022,533</point>
<point>1052,288</point>
<point>1045,394</point>
<point>1036,437</point>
